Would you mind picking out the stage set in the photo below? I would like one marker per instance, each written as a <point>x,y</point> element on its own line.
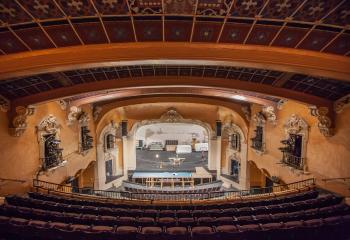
<point>171,155</point>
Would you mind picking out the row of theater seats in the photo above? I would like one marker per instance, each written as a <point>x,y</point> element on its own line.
<point>233,204</point>
<point>324,204</point>
<point>150,191</point>
<point>327,228</point>
<point>298,216</point>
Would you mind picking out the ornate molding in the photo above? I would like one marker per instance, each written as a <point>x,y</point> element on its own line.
<point>259,118</point>
<point>295,125</point>
<point>19,122</point>
<point>73,114</point>
<point>281,103</point>
<point>247,112</point>
<point>49,125</point>
<point>171,116</point>
<point>83,118</point>
<point>63,104</point>
<point>96,111</point>
<point>324,122</point>
<point>270,114</point>
<point>342,103</point>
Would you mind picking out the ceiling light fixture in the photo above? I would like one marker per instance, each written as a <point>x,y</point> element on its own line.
<point>239,97</point>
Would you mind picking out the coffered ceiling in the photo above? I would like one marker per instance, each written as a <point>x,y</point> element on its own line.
<point>316,26</point>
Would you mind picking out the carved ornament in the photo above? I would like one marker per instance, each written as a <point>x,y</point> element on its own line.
<point>19,122</point>
<point>247,112</point>
<point>73,114</point>
<point>270,114</point>
<point>324,122</point>
<point>49,125</point>
<point>295,125</point>
<point>96,112</point>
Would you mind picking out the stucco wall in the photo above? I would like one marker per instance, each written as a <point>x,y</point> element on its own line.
<point>19,156</point>
<point>326,157</point>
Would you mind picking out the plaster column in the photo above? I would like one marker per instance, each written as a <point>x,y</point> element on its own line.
<point>100,168</point>
<point>119,162</point>
<point>218,158</point>
<point>125,154</point>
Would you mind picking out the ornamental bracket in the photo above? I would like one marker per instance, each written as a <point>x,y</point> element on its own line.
<point>19,122</point>
<point>324,121</point>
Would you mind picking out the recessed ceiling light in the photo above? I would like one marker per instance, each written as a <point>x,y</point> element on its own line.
<point>239,97</point>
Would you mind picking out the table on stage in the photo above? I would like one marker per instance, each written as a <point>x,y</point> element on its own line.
<point>176,161</point>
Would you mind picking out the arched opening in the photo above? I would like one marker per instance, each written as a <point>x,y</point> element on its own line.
<point>171,147</point>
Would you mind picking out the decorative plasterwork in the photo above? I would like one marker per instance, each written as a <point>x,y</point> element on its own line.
<point>259,119</point>
<point>324,122</point>
<point>247,112</point>
<point>19,122</point>
<point>270,114</point>
<point>83,118</point>
<point>295,125</point>
<point>73,114</point>
<point>281,103</point>
<point>96,111</point>
<point>63,104</point>
<point>229,128</point>
<point>48,125</point>
<point>342,103</point>
<point>172,116</point>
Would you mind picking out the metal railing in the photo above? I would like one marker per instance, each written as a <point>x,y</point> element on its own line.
<point>293,161</point>
<point>167,196</point>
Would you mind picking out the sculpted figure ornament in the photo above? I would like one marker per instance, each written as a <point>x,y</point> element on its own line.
<point>4,104</point>
<point>270,114</point>
<point>49,125</point>
<point>247,112</point>
<point>295,125</point>
<point>171,116</point>
<point>19,122</point>
<point>96,112</point>
<point>73,114</point>
<point>324,122</point>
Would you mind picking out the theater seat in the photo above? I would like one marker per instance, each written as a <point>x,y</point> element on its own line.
<point>126,232</point>
<point>145,221</point>
<point>203,233</point>
<point>177,233</point>
<point>150,233</point>
<point>166,222</point>
<point>227,232</point>
<point>185,222</point>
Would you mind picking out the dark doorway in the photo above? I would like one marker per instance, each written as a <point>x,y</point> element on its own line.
<point>235,170</point>
<point>109,170</point>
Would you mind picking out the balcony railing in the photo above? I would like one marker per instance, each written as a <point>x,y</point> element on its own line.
<point>293,161</point>
<point>179,196</point>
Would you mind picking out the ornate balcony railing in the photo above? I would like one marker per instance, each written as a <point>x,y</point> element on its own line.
<point>171,196</point>
<point>293,161</point>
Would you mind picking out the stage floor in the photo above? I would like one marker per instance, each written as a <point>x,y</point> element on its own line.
<point>146,161</point>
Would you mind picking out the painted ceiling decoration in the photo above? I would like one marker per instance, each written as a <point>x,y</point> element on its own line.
<point>316,25</point>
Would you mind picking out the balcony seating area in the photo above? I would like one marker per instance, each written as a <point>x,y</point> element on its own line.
<point>304,215</point>
<point>201,191</point>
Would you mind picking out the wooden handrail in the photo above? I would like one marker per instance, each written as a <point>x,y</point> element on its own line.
<point>333,179</point>
<point>12,180</point>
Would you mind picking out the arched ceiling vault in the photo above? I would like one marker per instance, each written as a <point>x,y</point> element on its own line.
<point>295,49</point>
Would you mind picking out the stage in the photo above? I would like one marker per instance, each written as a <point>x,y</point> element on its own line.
<point>147,161</point>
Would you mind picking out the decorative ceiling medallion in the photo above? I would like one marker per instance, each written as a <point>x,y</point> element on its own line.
<point>171,116</point>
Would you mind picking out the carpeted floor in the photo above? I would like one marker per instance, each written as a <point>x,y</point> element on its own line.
<point>147,161</point>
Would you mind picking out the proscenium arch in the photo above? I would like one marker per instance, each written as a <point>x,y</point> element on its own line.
<point>108,107</point>
<point>137,125</point>
<point>103,55</point>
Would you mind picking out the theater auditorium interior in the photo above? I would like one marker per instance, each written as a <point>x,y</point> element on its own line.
<point>175,119</point>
